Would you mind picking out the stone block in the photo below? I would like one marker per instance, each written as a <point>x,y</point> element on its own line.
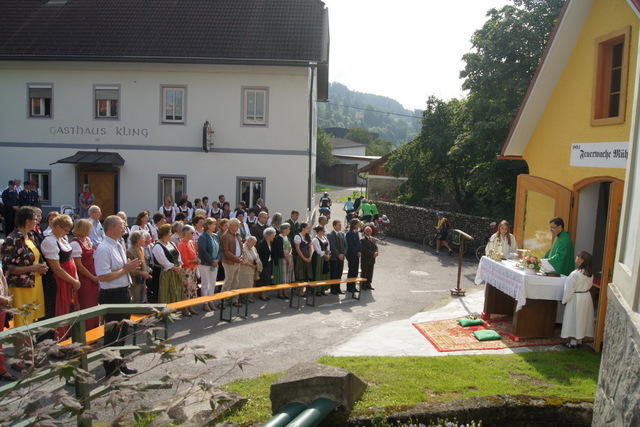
<point>306,382</point>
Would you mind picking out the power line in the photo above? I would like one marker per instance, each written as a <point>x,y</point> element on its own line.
<point>375,111</point>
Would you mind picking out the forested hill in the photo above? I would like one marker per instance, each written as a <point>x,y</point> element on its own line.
<point>394,128</point>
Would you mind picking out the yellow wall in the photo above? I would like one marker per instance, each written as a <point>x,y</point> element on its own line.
<point>567,118</point>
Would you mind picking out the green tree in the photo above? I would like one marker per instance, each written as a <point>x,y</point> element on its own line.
<point>324,149</point>
<point>459,141</point>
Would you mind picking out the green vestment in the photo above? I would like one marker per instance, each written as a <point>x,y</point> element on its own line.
<point>561,254</point>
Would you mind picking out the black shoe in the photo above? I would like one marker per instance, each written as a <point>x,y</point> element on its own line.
<point>127,370</point>
<point>111,369</point>
<point>371,288</point>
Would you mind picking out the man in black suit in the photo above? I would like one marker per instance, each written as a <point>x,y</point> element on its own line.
<point>257,230</point>
<point>339,246</point>
<point>354,250</point>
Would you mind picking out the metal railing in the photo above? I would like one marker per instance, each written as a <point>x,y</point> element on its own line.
<point>77,331</point>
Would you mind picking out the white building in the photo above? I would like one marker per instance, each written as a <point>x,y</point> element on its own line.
<point>198,97</point>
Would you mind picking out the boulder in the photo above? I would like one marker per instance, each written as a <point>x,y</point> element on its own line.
<point>306,382</point>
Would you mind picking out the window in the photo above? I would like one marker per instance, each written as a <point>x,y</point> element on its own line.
<point>43,182</point>
<point>255,102</point>
<point>610,86</point>
<point>40,97</point>
<point>107,102</point>
<point>173,104</point>
<point>250,190</point>
<point>172,185</point>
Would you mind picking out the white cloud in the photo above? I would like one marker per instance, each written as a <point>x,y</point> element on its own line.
<point>404,49</point>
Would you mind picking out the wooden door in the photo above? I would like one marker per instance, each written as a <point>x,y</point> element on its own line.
<point>611,241</point>
<point>103,186</point>
<point>537,201</point>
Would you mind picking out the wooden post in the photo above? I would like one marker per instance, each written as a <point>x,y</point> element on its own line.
<point>78,335</point>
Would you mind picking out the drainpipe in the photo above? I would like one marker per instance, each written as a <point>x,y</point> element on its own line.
<point>314,414</point>
<point>313,66</point>
<point>286,415</point>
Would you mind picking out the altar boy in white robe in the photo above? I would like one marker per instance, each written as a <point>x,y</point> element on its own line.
<point>578,320</point>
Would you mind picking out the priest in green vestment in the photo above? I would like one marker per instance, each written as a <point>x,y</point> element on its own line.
<point>561,255</point>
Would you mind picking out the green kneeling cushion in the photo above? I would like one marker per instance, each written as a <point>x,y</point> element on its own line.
<point>469,322</point>
<point>486,335</point>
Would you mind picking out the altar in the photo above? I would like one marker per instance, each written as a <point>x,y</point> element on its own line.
<point>532,299</point>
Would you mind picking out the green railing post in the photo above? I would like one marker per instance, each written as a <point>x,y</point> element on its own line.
<point>78,335</point>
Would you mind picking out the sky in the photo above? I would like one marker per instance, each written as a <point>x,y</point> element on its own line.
<point>404,49</point>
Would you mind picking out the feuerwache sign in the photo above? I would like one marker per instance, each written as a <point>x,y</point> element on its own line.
<point>77,130</point>
<point>600,154</point>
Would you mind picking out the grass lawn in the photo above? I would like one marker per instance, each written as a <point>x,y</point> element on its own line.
<point>395,381</point>
<point>353,196</point>
<point>321,188</point>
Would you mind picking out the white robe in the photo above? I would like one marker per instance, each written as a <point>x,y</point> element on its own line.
<point>578,320</point>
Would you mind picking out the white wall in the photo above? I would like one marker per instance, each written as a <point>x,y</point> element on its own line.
<point>585,231</point>
<point>213,93</point>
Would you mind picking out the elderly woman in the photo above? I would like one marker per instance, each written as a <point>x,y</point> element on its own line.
<point>167,256</point>
<point>265,253</point>
<point>502,241</point>
<point>251,266</point>
<point>176,232</point>
<point>82,253</point>
<point>85,200</point>
<point>190,261</point>
<point>321,257</point>
<point>139,277</point>
<point>283,259</point>
<point>368,259</point>
<point>57,251</point>
<point>209,253</point>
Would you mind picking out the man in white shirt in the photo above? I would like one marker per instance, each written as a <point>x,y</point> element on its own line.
<point>112,269</point>
<point>97,232</point>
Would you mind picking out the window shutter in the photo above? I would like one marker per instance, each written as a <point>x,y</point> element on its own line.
<point>107,94</point>
<point>40,92</point>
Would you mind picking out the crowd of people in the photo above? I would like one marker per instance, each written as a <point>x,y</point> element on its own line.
<point>59,264</point>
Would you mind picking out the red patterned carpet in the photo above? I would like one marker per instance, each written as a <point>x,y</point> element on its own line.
<point>447,335</point>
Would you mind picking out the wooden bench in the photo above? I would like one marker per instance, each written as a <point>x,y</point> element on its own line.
<point>317,283</point>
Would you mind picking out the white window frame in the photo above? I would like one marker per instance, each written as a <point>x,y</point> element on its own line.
<point>42,175</point>
<point>30,106</point>
<point>96,100</point>
<point>161,188</point>
<point>163,104</point>
<point>263,182</point>
<point>252,120</point>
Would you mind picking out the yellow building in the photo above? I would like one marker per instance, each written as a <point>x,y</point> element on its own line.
<point>573,130</point>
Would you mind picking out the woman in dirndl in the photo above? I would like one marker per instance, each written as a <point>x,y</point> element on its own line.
<point>283,259</point>
<point>189,255</point>
<point>303,270</point>
<point>58,253</point>
<point>321,256</point>
<point>82,252</point>
<point>167,256</point>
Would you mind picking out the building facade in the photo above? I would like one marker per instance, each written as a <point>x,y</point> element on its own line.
<point>227,107</point>
<point>573,130</point>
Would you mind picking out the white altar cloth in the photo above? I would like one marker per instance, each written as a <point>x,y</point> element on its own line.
<point>514,282</point>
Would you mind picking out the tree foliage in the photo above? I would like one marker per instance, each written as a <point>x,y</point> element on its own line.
<point>391,127</point>
<point>454,156</point>
<point>375,146</point>
<point>324,148</point>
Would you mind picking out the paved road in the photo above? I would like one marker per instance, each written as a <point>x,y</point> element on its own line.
<point>274,337</point>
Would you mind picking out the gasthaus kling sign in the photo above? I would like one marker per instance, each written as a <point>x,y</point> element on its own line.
<point>600,154</point>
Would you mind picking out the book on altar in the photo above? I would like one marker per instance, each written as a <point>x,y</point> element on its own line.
<point>546,266</point>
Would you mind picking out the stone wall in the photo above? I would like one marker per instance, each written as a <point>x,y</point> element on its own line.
<point>384,188</point>
<point>618,390</point>
<point>414,223</point>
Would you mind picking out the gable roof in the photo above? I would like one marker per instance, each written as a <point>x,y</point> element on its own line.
<point>554,59</point>
<point>292,32</point>
<point>346,143</point>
